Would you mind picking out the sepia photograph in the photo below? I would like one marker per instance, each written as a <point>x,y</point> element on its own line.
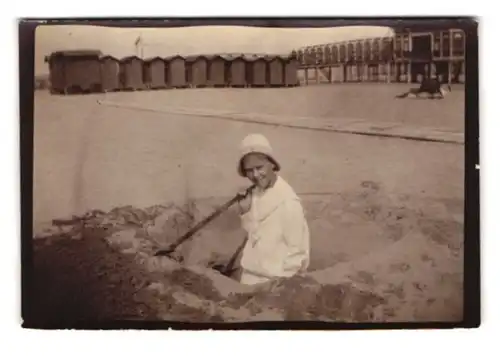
<point>252,176</point>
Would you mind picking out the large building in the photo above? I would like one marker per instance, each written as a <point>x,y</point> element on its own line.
<point>406,56</point>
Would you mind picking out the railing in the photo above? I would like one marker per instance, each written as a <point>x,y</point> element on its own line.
<point>404,57</point>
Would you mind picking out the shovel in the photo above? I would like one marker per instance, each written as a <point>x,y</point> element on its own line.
<point>169,250</point>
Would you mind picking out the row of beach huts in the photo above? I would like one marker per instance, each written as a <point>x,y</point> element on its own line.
<point>90,71</point>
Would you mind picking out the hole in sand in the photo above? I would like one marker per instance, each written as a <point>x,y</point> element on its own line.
<point>343,227</point>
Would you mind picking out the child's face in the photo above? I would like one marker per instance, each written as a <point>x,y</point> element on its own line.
<point>258,169</point>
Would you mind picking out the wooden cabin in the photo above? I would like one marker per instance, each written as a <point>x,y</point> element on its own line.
<point>57,76</point>
<point>110,73</point>
<point>216,71</point>
<point>276,69</point>
<point>237,76</point>
<point>291,71</point>
<point>257,71</point>
<point>75,71</point>
<point>197,75</point>
<point>175,74</point>
<point>131,73</point>
<point>154,73</point>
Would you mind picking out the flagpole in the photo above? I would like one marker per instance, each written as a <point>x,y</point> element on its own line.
<point>142,48</point>
<point>139,49</point>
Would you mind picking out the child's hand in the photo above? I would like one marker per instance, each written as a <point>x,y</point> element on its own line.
<point>245,202</point>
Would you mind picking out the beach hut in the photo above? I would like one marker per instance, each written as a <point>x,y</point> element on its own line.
<point>216,71</point>
<point>257,71</point>
<point>197,70</point>
<point>276,71</point>
<point>188,69</point>
<point>110,73</point>
<point>175,74</point>
<point>56,73</point>
<point>75,71</point>
<point>237,69</point>
<point>132,74</point>
<point>154,73</point>
<point>291,71</point>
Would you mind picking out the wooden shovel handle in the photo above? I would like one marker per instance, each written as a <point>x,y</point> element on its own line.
<point>203,223</point>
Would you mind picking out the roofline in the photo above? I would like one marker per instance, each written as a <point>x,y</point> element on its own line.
<point>128,58</point>
<point>380,38</point>
<point>154,58</point>
<point>110,56</point>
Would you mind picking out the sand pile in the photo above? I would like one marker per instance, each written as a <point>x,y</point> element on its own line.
<point>399,260</point>
<point>147,230</point>
<point>101,267</point>
<point>419,279</point>
<point>81,279</point>
<point>96,277</point>
<point>303,298</point>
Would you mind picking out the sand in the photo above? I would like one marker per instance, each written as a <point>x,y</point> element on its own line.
<point>366,198</point>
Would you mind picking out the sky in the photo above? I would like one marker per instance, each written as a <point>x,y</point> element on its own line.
<point>119,42</point>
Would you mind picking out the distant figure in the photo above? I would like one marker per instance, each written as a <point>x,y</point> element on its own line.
<point>431,86</point>
<point>273,217</point>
